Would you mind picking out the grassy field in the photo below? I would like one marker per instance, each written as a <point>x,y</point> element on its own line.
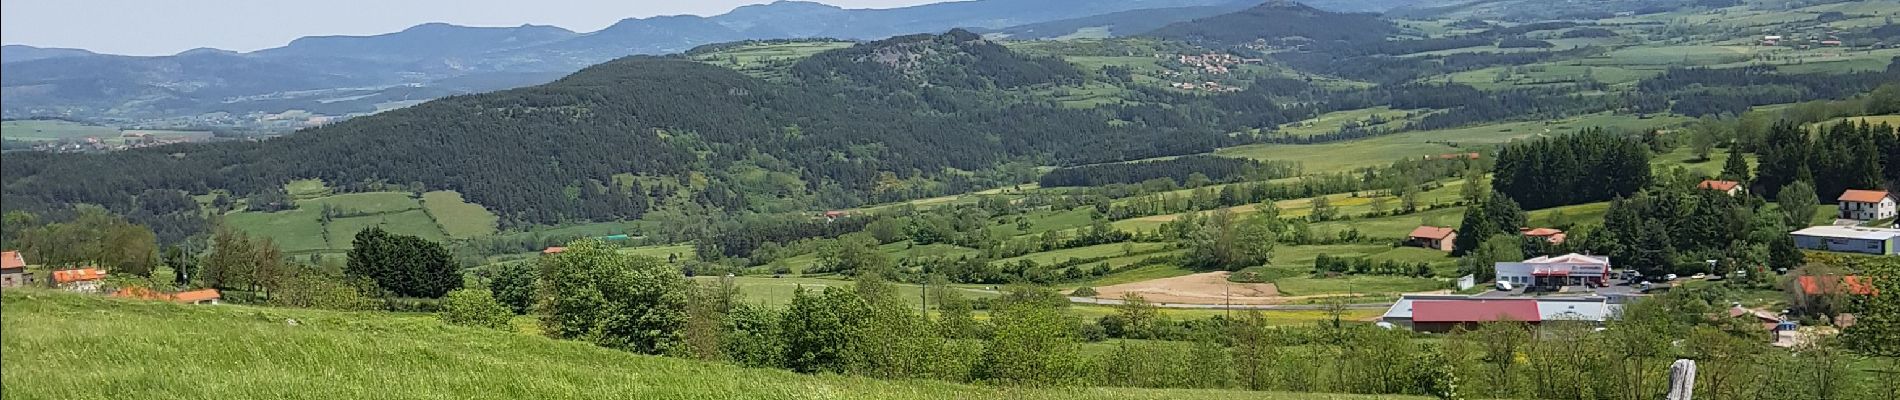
<point>1487,79</point>
<point>458,218</point>
<point>770,61</point>
<point>1112,250</point>
<point>1332,121</point>
<point>77,347</point>
<point>778,291</point>
<point>408,222</point>
<point>683,251</point>
<point>437,216</point>
<point>1343,156</point>
<point>1355,284</point>
<point>294,231</point>
<point>52,130</point>
<point>44,130</point>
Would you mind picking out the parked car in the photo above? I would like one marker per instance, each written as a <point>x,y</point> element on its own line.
<point>1504,285</point>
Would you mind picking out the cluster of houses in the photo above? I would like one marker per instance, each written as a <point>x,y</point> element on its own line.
<point>1214,63</point>
<point>1442,238</point>
<point>1849,233</point>
<point>1210,86</point>
<point>1434,313</point>
<point>14,274</point>
<point>1812,40</point>
<point>128,140</point>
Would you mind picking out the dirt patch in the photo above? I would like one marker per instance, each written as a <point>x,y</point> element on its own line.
<point>1202,288</point>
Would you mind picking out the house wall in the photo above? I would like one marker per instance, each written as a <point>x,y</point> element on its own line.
<point>1845,245</point>
<point>1445,244</point>
<point>14,279</point>
<point>1867,211</point>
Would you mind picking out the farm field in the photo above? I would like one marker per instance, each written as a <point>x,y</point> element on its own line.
<point>1331,122</point>
<point>459,219</point>
<point>1111,250</point>
<point>1344,204</point>
<point>66,346</point>
<point>777,292</point>
<point>767,60</point>
<point>53,130</point>
<point>1342,156</point>
<point>304,230</point>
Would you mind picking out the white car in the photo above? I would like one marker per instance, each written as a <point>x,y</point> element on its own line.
<point>1669,277</point>
<point>1504,285</point>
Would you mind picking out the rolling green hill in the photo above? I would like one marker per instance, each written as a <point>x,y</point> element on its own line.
<point>80,347</point>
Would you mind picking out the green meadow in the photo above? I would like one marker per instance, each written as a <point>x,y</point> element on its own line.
<point>77,347</point>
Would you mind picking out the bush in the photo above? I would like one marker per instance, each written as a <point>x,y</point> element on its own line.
<point>1084,291</point>
<point>476,308</point>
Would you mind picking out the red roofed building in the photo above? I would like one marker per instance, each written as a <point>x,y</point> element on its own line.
<point>201,296</point>
<point>1554,236</point>
<point>553,250</point>
<point>80,280</point>
<point>1731,187</point>
<point>12,269</point>
<point>1446,315</point>
<point>1866,205</point>
<point>1819,285</point>
<point>1432,237</point>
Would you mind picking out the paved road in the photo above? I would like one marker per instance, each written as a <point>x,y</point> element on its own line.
<point>1110,302</point>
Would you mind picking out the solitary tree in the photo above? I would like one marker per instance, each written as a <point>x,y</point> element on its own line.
<point>1797,201</point>
<point>403,265</point>
<point>591,292</point>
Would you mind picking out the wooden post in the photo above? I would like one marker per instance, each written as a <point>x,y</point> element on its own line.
<point>1682,380</point>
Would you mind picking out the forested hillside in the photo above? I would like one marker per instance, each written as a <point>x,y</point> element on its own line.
<point>566,151</point>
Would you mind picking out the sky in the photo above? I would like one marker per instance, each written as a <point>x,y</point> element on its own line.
<point>160,27</point>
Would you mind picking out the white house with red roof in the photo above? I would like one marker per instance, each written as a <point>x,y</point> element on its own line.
<point>1566,270</point>
<point>12,269</point>
<point>1731,187</point>
<point>1866,205</point>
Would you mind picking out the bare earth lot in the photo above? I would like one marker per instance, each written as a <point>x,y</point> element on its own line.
<point>1202,288</point>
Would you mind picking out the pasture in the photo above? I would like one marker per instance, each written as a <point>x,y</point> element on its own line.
<point>68,346</point>
<point>459,218</point>
<point>1347,155</point>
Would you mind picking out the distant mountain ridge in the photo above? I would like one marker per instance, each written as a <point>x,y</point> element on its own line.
<point>20,53</point>
<point>1282,21</point>
<point>358,74</point>
<point>73,83</point>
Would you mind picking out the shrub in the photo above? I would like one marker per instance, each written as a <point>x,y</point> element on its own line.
<point>476,308</point>
<point>1084,291</point>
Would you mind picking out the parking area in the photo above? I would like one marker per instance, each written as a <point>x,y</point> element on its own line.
<point>1616,286</point>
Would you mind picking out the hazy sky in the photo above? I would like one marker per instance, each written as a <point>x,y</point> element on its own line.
<point>156,27</point>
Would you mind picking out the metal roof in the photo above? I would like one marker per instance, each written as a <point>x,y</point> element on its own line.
<point>1849,232</point>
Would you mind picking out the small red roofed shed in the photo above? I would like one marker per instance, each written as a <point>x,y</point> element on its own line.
<point>1433,237</point>
<point>1730,187</point>
<point>553,250</point>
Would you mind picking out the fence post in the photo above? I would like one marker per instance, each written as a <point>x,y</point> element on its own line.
<point>1682,380</point>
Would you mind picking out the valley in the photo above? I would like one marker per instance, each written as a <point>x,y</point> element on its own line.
<point>1015,201</point>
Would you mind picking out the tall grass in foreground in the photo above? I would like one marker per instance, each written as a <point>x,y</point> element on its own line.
<point>66,346</point>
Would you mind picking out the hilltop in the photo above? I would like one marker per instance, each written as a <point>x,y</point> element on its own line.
<point>1282,20</point>
<point>68,346</point>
